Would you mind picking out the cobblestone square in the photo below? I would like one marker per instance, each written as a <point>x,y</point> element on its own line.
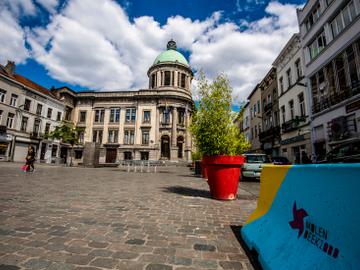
<point>107,218</point>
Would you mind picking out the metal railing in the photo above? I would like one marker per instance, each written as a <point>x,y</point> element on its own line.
<point>142,165</point>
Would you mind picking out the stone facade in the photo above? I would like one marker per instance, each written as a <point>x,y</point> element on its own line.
<point>255,109</point>
<point>330,43</point>
<point>270,135</point>
<point>27,112</point>
<point>293,102</point>
<point>148,124</point>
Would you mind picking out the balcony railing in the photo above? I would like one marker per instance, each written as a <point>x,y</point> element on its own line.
<point>36,135</point>
<point>268,107</point>
<point>270,133</point>
<point>335,98</point>
<point>293,124</point>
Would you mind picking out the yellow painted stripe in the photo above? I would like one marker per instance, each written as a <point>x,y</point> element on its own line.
<point>271,179</point>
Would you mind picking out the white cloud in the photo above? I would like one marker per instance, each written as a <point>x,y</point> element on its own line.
<point>12,41</point>
<point>49,5</point>
<point>245,55</point>
<point>19,7</point>
<point>94,44</point>
<point>79,45</point>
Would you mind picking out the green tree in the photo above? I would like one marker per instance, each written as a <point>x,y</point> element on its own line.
<point>213,123</point>
<point>67,133</point>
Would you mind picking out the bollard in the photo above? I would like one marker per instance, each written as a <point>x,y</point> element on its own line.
<point>307,217</point>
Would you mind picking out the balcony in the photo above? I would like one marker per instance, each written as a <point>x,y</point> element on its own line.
<point>36,135</point>
<point>293,124</point>
<point>268,107</point>
<point>335,98</point>
<point>342,128</point>
<point>270,133</point>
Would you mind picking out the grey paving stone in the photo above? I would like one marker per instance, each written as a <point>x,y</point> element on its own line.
<point>154,266</point>
<point>79,259</point>
<point>36,264</point>
<point>135,242</point>
<point>98,244</point>
<point>76,216</point>
<point>101,253</point>
<point>231,265</point>
<point>8,267</point>
<point>204,247</point>
<point>104,262</point>
<point>179,260</point>
<point>125,255</point>
<point>61,266</point>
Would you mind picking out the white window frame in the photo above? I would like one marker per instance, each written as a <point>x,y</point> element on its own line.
<point>10,120</point>
<point>13,100</point>
<point>2,95</point>
<point>114,115</point>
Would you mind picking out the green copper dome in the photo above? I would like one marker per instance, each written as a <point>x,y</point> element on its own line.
<point>171,55</point>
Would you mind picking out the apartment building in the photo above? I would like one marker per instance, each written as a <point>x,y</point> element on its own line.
<point>27,112</point>
<point>293,102</point>
<point>270,135</point>
<point>330,43</point>
<point>255,112</point>
<point>246,121</point>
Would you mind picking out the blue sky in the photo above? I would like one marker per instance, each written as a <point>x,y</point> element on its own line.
<point>109,45</point>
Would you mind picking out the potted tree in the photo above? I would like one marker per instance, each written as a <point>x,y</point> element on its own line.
<point>217,137</point>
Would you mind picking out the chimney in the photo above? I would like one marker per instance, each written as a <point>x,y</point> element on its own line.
<point>10,67</point>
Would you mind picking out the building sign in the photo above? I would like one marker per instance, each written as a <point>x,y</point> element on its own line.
<point>293,140</point>
<point>353,106</point>
<point>313,233</point>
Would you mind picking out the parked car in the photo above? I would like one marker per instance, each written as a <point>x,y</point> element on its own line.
<point>253,165</point>
<point>348,152</point>
<point>280,161</point>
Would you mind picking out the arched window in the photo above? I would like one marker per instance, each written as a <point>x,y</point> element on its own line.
<point>167,78</point>
<point>183,79</point>
<point>153,80</point>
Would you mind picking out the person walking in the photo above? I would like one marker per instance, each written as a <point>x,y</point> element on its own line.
<point>305,159</point>
<point>30,158</point>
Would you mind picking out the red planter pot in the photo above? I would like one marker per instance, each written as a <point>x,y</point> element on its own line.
<point>223,176</point>
<point>203,169</point>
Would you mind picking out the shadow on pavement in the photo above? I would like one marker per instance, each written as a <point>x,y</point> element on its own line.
<point>251,254</point>
<point>187,191</point>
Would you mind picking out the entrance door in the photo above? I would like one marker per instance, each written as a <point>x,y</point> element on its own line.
<point>180,143</point>
<point>111,155</point>
<point>63,154</point>
<point>144,155</point>
<point>42,151</point>
<point>165,147</point>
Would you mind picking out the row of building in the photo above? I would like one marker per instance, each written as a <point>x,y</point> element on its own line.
<point>309,101</point>
<point>147,124</point>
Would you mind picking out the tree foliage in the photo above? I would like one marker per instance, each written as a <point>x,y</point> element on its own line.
<point>66,132</point>
<point>213,123</point>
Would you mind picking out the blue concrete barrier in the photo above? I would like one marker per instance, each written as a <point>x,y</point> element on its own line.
<point>310,220</point>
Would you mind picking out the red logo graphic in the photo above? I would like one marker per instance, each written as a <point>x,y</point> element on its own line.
<point>298,222</point>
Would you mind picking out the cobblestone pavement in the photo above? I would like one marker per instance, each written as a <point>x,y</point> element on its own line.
<point>75,218</point>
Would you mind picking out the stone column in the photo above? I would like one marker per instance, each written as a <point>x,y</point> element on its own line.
<point>187,136</point>
<point>176,79</point>
<point>158,78</point>
<point>174,126</point>
<point>174,148</point>
<point>157,132</point>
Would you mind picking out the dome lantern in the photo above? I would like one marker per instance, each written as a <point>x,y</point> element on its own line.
<point>171,45</point>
